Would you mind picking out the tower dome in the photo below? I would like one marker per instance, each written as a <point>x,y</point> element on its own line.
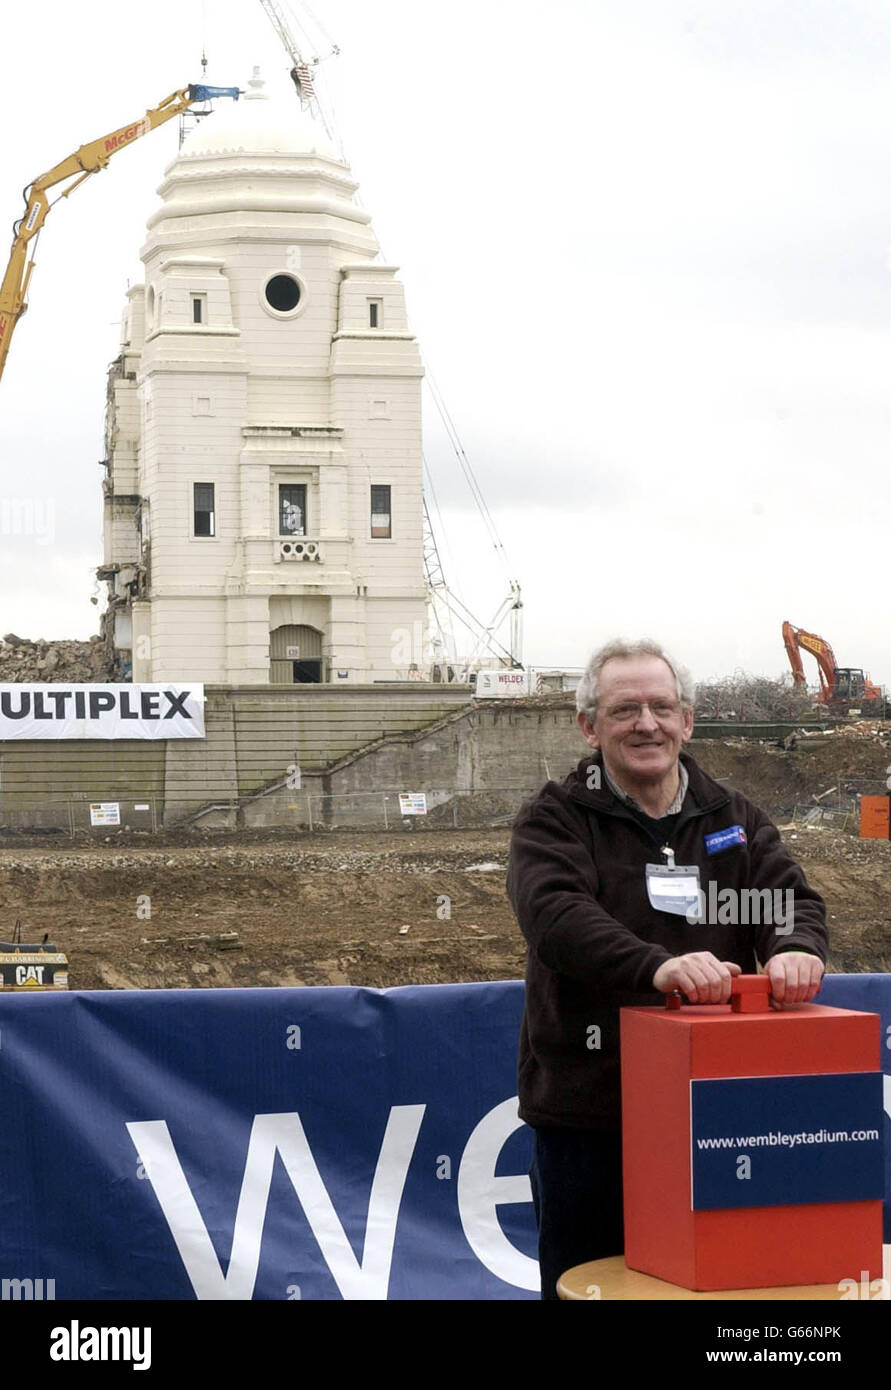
<point>262,155</point>
<point>258,124</point>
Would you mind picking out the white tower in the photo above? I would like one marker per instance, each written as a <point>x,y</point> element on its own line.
<point>263,492</point>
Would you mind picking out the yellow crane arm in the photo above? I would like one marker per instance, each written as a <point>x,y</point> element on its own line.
<point>89,159</point>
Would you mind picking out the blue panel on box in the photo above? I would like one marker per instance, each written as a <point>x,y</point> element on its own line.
<point>768,1141</point>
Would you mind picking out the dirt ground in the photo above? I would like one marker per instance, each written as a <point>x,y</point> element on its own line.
<point>333,909</point>
<point>328,912</point>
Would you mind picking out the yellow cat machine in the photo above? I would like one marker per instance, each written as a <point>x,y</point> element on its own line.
<point>27,966</point>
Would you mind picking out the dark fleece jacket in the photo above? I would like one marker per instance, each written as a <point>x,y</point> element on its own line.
<point>577,880</point>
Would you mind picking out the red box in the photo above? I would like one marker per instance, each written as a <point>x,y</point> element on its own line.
<point>663,1050</point>
<point>874,817</point>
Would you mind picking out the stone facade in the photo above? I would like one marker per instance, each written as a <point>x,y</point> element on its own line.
<point>263,490</point>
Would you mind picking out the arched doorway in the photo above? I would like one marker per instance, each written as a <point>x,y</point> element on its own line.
<point>295,655</point>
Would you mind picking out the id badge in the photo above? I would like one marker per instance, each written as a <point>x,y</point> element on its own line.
<point>674,888</point>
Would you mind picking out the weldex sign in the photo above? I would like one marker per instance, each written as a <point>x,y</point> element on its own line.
<point>101,711</point>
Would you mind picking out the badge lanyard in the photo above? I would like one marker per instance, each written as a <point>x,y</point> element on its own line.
<point>673,887</point>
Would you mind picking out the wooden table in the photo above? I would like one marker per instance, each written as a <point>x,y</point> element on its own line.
<point>612,1279</point>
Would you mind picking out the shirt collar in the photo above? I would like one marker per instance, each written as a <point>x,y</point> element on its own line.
<point>683,783</point>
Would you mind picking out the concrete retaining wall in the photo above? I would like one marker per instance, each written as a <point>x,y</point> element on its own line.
<point>356,749</point>
<point>253,737</point>
<point>475,765</point>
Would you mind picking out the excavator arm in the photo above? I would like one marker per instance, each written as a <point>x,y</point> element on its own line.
<point>794,654</point>
<point>795,638</point>
<point>89,159</point>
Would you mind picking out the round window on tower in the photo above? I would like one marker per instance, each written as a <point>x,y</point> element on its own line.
<point>283,294</point>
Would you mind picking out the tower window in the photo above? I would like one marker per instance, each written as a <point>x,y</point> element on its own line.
<point>292,509</point>
<point>380,512</point>
<point>283,293</point>
<point>203,496</point>
<point>375,313</point>
<point>199,308</point>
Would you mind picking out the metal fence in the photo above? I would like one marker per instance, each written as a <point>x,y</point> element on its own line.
<point>444,808</point>
<point>838,807</point>
<point>313,812</point>
<point>70,816</point>
<point>822,817</point>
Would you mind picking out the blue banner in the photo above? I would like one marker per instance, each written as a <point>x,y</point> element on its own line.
<point>872,993</point>
<point>266,1143</point>
<point>330,1143</point>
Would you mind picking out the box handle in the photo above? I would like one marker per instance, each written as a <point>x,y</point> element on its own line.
<point>749,994</point>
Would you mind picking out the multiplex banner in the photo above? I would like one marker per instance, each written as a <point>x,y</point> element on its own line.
<point>67,711</point>
<point>331,1143</point>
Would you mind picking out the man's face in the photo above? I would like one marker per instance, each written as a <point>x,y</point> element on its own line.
<point>639,744</point>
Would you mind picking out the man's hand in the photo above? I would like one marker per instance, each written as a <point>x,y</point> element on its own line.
<point>699,975</point>
<point>795,976</point>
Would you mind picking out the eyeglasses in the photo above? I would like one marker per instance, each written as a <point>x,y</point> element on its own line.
<point>663,711</point>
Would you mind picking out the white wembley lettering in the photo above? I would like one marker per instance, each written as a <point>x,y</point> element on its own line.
<point>480,1192</point>
<point>283,1134</point>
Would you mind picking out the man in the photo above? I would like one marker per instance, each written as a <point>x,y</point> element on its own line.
<point>608,875</point>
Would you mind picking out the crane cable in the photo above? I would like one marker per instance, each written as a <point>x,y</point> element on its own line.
<point>316,58</point>
<point>288,21</point>
<point>204,37</point>
<point>320,26</point>
<point>437,509</point>
<point>435,596</point>
<point>467,469</point>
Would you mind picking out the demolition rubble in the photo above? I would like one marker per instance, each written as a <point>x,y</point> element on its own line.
<point>75,662</point>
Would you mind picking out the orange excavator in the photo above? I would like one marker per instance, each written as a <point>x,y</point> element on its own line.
<point>840,686</point>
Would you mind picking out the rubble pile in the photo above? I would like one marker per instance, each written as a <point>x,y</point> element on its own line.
<point>868,730</point>
<point>549,699</point>
<point>45,662</point>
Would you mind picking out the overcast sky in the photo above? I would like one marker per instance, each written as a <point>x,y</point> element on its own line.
<point>645,245</point>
